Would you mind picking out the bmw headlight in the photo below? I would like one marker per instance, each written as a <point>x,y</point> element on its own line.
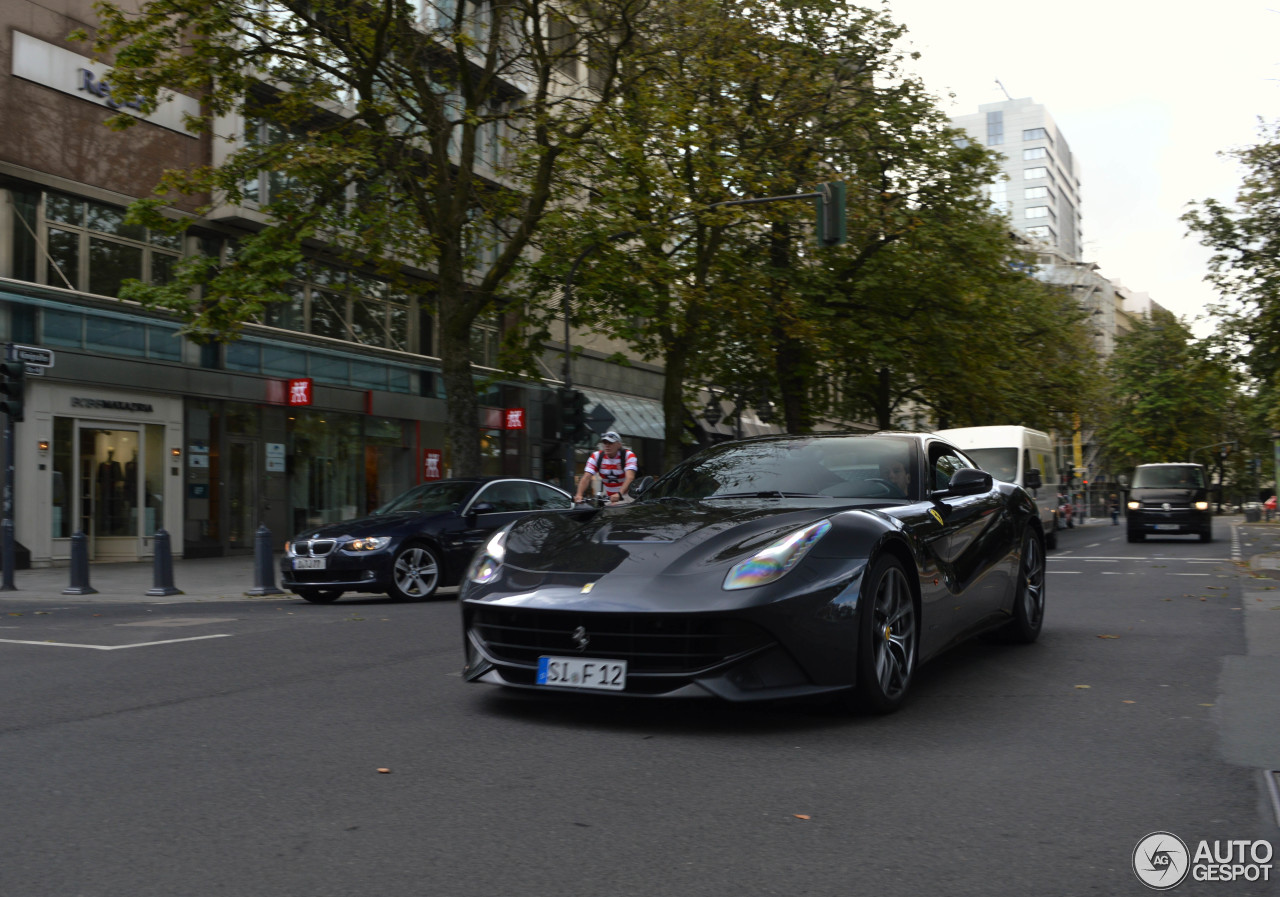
<point>775,560</point>
<point>487,563</point>
<point>372,543</point>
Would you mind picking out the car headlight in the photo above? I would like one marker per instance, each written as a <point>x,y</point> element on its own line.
<point>1202,506</point>
<point>1134,505</point>
<point>775,560</point>
<point>288,548</point>
<point>371,543</point>
<point>487,563</point>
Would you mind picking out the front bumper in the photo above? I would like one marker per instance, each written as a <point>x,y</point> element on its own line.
<point>366,572</point>
<point>1154,522</point>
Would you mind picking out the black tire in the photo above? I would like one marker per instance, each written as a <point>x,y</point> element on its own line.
<point>1137,537</point>
<point>320,596</point>
<point>1206,536</point>
<point>1029,594</point>
<point>888,638</point>
<point>415,573</point>
<point>1051,540</point>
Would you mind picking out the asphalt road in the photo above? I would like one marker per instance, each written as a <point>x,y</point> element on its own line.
<point>234,748</point>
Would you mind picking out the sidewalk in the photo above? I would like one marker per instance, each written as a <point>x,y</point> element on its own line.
<point>198,579</point>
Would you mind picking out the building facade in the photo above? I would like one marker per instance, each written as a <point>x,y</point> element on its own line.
<point>326,408</point>
<point>1040,189</point>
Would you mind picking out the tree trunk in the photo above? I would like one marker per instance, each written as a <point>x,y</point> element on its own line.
<point>462,427</point>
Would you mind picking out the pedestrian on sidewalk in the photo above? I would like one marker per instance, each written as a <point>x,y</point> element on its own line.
<point>1115,509</point>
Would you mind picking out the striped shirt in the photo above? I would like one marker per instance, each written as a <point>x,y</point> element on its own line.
<point>612,471</point>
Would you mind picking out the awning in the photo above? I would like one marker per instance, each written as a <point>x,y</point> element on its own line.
<point>632,416</point>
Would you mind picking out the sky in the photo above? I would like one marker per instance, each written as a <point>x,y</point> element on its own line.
<point>1146,94</point>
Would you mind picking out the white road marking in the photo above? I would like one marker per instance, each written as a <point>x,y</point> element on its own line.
<point>1193,574</point>
<point>172,641</point>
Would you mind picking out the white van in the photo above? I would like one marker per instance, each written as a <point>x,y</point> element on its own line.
<point>1012,454</point>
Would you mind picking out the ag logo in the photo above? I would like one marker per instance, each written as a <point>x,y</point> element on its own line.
<point>1161,861</point>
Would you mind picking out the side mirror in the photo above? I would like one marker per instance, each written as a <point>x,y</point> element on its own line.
<point>482,507</point>
<point>641,486</point>
<point>966,481</point>
<point>1032,478</point>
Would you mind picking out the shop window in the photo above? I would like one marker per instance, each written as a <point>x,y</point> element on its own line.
<point>115,336</point>
<point>110,264</point>
<point>63,329</point>
<point>368,376</point>
<point>283,362</point>
<point>243,355</point>
<point>164,343</point>
<point>330,369</point>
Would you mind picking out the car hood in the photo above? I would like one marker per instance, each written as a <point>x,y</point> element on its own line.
<point>371,525</point>
<point>656,538</point>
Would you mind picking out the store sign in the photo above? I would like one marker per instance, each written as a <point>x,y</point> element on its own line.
<point>275,457</point>
<point>513,419</point>
<point>432,466</point>
<point>58,68</point>
<point>300,391</point>
<point>111,405</point>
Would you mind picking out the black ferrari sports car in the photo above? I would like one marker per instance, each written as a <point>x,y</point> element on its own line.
<point>415,543</point>
<point>779,567</point>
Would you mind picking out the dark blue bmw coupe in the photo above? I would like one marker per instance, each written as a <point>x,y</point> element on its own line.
<point>415,543</point>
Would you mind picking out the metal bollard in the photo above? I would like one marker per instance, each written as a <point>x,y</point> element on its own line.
<point>162,567</point>
<point>264,571</point>
<point>7,555</point>
<point>80,567</point>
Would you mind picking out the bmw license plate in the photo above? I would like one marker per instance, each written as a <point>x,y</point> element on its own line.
<point>308,563</point>
<point>1167,526</point>
<point>580,672</point>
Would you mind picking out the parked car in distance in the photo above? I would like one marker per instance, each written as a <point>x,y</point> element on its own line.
<point>415,543</point>
<point>774,568</point>
<point>1016,455</point>
<point>1169,499</point>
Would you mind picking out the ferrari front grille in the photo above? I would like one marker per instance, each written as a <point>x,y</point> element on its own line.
<point>658,644</point>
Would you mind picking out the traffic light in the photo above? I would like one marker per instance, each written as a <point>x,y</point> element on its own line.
<point>830,206</point>
<point>12,380</point>
<point>573,416</point>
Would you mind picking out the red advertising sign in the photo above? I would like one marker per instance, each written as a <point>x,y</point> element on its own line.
<point>300,391</point>
<point>432,468</point>
<point>513,419</point>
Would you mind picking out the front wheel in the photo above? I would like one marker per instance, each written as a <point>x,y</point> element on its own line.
<point>320,596</point>
<point>1206,536</point>
<point>415,574</point>
<point>888,638</point>
<point>1029,596</point>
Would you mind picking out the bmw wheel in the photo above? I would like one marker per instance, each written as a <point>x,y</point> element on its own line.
<point>415,574</point>
<point>888,638</point>
<point>1029,596</point>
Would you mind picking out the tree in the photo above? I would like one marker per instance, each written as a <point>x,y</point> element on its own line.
<point>418,141</point>
<point>1169,396</point>
<point>1245,263</point>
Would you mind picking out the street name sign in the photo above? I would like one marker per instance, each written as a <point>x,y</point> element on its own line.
<point>29,355</point>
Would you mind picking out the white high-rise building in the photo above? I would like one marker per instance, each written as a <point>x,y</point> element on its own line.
<point>1041,187</point>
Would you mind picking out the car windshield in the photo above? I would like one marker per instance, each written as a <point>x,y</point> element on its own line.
<point>440,496</point>
<point>835,467</point>
<point>1001,463</point>
<point>1174,476</point>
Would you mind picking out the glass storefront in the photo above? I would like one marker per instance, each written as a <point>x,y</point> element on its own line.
<point>108,483</point>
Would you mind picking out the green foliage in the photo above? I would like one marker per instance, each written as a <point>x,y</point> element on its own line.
<point>424,152</point>
<point>1169,396</point>
<point>1245,264</point>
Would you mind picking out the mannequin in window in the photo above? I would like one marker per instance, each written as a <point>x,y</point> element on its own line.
<point>110,494</point>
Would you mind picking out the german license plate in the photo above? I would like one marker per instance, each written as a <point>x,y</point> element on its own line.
<point>308,563</point>
<point>581,672</point>
<point>1167,526</point>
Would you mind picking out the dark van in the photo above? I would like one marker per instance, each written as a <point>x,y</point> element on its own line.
<point>1169,499</point>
